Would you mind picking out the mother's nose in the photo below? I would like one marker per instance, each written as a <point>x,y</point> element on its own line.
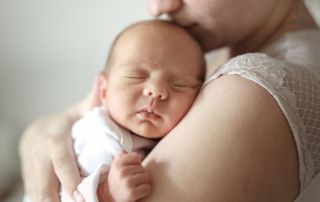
<point>158,7</point>
<point>154,90</point>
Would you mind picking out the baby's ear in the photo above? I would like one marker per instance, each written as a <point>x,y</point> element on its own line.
<point>102,87</point>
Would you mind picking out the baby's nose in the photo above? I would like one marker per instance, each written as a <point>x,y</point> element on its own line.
<point>155,92</point>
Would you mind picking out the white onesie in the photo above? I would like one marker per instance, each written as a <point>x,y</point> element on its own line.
<point>97,139</point>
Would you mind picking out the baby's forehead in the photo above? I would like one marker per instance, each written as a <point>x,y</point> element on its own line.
<point>154,30</point>
<point>155,42</point>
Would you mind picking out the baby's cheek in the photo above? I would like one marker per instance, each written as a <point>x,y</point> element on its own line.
<point>180,112</point>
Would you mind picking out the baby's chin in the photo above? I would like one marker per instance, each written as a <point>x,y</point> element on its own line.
<point>150,132</point>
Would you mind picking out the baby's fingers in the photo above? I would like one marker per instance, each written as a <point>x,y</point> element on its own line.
<point>140,178</point>
<point>142,191</point>
<point>104,170</point>
<point>128,158</point>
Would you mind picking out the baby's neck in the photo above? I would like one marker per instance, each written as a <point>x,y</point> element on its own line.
<point>143,144</point>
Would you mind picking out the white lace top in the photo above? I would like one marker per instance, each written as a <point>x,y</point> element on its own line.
<point>290,71</point>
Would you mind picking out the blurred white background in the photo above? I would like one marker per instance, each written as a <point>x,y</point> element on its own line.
<point>50,52</point>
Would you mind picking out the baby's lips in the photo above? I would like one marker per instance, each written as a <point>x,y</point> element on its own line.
<point>147,115</point>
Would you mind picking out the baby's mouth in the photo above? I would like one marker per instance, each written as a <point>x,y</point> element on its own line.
<point>147,114</point>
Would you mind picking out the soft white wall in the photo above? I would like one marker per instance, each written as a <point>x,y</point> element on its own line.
<point>51,50</point>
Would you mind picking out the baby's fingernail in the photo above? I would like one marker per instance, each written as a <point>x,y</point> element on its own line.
<point>78,197</point>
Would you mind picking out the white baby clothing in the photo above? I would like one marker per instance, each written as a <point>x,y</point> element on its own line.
<point>97,139</point>
<point>289,70</point>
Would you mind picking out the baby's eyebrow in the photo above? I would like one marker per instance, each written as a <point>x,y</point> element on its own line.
<point>135,69</point>
<point>135,65</point>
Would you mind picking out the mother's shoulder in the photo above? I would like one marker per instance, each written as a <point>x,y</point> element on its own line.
<point>252,61</point>
<point>258,67</point>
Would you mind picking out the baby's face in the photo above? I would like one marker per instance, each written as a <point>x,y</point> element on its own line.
<point>154,77</point>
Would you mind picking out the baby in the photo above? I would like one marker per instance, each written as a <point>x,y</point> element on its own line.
<point>153,74</point>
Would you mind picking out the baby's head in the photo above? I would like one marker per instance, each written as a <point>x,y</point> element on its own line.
<point>154,72</point>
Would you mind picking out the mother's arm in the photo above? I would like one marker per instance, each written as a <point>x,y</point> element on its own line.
<point>46,152</point>
<point>234,145</point>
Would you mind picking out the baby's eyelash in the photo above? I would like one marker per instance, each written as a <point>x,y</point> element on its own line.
<point>184,85</point>
<point>180,85</point>
<point>135,77</point>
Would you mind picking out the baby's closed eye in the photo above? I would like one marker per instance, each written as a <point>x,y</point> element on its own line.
<point>184,84</point>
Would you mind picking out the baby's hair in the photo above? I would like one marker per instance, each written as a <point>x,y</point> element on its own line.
<point>114,43</point>
<point>110,57</point>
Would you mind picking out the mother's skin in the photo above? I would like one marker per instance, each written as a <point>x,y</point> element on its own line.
<point>233,145</point>
<point>227,151</point>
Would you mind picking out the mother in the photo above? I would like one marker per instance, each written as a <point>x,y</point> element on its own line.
<point>253,132</point>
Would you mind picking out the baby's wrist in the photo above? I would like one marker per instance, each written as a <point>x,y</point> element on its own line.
<point>103,193</point>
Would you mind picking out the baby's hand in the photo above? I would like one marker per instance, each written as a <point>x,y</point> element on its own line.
<point>103,189</point>
<point>128,181</point>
